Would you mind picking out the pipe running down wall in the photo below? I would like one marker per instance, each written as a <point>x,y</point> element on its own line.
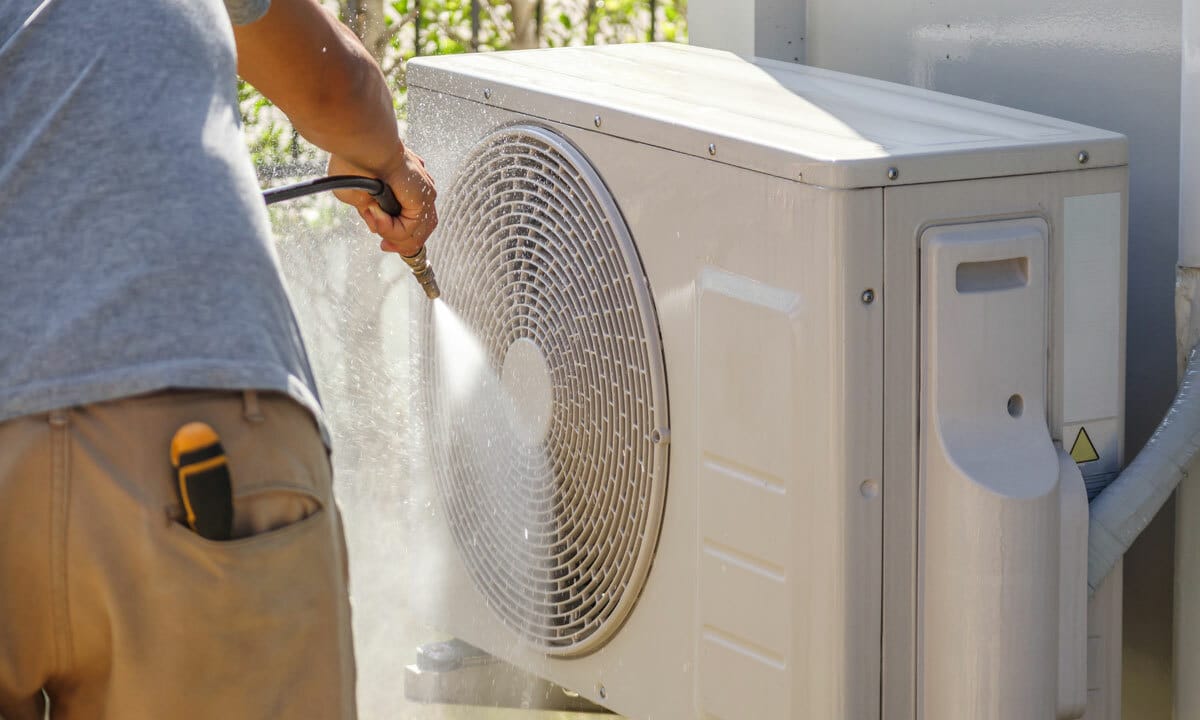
<point>1126,507</point>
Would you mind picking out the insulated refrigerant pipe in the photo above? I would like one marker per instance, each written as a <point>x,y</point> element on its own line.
<point>1128,504</point>
<point>382,194</point>
<point>1120,513</point>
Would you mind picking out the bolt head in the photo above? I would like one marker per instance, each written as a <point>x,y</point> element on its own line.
<point>712,148</point>
<point>603,692</point>
<point>596,120</point>
<point>893,173</point>
<point>1083,157</point>
<point>487,94</point>
<point>868,296</point>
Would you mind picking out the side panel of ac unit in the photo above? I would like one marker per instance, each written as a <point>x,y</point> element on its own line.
<point>764,597</point>
<point>1084,213</point>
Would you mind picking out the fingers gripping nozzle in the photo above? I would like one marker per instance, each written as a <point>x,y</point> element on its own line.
<point>418,263</point>
<point>423,271</point>
<point>382,194</point>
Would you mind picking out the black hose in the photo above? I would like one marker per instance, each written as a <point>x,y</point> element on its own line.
<point>376,188</point>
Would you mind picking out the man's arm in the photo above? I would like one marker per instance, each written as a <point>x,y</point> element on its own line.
<point>315,70</point>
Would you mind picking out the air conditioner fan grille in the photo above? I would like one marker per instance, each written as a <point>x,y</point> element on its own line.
<point>557,526</point>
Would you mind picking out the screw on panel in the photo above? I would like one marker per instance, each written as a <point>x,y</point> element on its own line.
<point>596,120</point>
<point>868,296</point>
<point>1083,157</point>
<point>487,94</point>
<point>603,691</point>
<point>712,148</point>
<point>893,173</point>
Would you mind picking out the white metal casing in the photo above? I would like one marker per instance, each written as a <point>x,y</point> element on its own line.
<point>1057,199</point>
<point>791,121</point>
<point>1109,63</point>
<point>757,200</point>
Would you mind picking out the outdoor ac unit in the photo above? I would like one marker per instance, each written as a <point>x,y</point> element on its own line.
<point>797,364</point>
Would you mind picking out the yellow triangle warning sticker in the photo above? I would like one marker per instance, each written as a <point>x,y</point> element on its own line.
<point>1083,450</point>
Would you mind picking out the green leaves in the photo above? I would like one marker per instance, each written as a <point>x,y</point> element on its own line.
<point>425,27</point>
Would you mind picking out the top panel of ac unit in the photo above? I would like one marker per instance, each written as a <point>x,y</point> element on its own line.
<point>818,126</point>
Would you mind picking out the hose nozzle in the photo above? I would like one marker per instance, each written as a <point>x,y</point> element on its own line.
<point>423,271</point>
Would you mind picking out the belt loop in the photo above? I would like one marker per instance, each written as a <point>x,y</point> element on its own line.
<point>250,409</point>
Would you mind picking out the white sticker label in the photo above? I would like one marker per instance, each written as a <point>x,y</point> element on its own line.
<point>1092,313</point>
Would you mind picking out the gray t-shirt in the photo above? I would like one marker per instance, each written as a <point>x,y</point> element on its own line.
<point>137,253</point>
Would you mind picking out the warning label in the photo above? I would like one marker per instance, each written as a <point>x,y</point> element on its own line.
<point>1083,450</point>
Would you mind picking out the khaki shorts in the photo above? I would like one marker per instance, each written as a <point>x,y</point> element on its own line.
<point>117,610</point>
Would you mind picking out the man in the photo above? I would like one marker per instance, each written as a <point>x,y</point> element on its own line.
<point>139,293</point>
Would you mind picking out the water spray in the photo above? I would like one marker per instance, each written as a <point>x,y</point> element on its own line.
<point>377,189</point>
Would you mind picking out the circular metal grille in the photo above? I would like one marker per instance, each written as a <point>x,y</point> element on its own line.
<point>556,518</point>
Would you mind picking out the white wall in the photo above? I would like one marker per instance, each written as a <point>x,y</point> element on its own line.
<point>768,28</point>
<point>1110,63</point>
<point>1190,150</point>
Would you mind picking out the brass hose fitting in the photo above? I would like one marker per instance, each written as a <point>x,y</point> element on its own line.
<point>423,271</point>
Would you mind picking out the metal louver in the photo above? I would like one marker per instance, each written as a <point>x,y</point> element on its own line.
<point>556,518</point>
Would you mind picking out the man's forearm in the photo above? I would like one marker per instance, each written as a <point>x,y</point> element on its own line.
<point>315,70</point>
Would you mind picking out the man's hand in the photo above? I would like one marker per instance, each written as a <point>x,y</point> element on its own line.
<point>405,174</point>
<point>315,70</point>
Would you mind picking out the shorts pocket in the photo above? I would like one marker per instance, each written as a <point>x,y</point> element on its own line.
<point>260,513</point>
<point>275,602</point>
<point>269,509</point>
<point>267,539</point>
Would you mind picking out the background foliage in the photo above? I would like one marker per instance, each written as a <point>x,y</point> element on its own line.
<point>395,31</point>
